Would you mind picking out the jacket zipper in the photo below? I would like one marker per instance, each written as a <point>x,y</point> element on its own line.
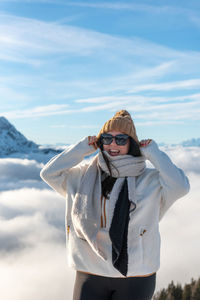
<point>68,231</point>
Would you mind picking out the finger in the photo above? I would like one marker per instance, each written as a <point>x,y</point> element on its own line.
<point>92,141</point>
<point>149,141</point>
<point>144,143</point>
<point>95,145</point>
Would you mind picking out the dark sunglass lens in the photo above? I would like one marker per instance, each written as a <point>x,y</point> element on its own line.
<point>106,140</point>
<point>121,140</point>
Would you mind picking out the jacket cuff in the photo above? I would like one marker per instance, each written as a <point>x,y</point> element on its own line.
<point>149,150</point>
<point>84,147</point>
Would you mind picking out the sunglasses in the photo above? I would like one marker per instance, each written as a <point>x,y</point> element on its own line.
<point>120,139</point>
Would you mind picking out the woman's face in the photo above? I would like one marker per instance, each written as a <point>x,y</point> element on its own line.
<point>113,149</point>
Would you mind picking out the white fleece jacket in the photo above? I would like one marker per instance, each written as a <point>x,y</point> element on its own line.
<point>156,191</point>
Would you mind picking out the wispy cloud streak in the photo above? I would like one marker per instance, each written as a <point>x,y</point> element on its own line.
<point>153,109</point>
<point>39,111</point>
<point>43,38</point>
<point>168,86</point>
<point>137,7</point>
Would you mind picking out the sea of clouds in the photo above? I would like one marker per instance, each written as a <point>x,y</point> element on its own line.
<point>33,262</point>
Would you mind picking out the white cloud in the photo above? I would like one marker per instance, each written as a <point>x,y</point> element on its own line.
<point>155,110</point>
<point>39,273</point>
<point>10,94</point>
<point>32,246</point>
<point>17,173</point>
<point>30,201</point>
<point>187,158</point>
<point>118,6</point>
<point>120,83</point>
<point>163,109</point>
<point>29,39</point>
<point>158,122</point>
<point>39,111</point>
<point>84,126</point>
<point>106,5</point>
<point>168,86</point>
<point>171,116</point>
<point>32,233</point>
<point>41,39</point>
<point>180,230</point>
<point>16,168</point>
<point>33,41</point>
<point>139,99</point>
<point>137,7</point>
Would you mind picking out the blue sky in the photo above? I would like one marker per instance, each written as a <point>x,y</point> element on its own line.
<point>67,66</point>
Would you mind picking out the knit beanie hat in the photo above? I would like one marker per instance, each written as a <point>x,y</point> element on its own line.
<point>122,122</point>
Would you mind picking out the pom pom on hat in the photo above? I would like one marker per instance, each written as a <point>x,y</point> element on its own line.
<point>122,122</point>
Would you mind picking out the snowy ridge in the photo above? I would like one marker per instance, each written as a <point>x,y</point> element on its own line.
<point>11,140</point>
<point>15,144</point>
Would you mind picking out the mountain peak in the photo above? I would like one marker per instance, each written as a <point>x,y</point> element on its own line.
<point>11,140</point>
<point>4,123</point>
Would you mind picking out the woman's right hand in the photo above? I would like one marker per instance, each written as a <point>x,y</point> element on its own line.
<point>144,143</point>
<point>92,141</point>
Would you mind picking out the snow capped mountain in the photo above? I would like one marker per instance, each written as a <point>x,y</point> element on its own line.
<point>15,144</point>
<point>11,140</point>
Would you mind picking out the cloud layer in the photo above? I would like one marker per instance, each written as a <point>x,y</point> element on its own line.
<point>32,232</point>
<point>32,246</point>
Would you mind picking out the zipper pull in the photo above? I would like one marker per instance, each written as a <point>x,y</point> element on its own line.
<point>68,231</point>
<point>143,232</point>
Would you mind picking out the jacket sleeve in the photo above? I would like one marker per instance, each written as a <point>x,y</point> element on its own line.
<point>66,165</point>
<point>174,184</point>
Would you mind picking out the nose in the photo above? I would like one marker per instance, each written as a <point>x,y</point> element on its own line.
<point>113,141</point>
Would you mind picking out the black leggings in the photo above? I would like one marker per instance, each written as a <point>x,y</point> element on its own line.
<point>94,287</point>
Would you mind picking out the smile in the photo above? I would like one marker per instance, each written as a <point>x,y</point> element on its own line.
<point>113,152</point>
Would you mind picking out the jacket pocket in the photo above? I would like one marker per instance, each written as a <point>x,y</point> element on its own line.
<point>135,248</point>
<point>142,235</point>
<point>150,245</point>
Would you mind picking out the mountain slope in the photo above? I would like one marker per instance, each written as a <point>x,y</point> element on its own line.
<point>11,140</point>
<point>16,145</point>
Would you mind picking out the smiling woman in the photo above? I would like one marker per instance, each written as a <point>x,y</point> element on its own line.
<point>114,204</point>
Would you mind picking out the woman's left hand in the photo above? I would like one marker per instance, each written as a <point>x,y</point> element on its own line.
<point>144,143</point>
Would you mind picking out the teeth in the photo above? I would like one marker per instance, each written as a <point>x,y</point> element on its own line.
<point>115,151</point>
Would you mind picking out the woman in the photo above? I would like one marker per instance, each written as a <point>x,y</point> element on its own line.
<point>113,207</point>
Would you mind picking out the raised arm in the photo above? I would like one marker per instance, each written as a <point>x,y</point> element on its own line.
<point>56,172</point>
<point>173,181</point>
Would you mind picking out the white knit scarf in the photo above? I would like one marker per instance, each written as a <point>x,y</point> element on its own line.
<point>86,209</point>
